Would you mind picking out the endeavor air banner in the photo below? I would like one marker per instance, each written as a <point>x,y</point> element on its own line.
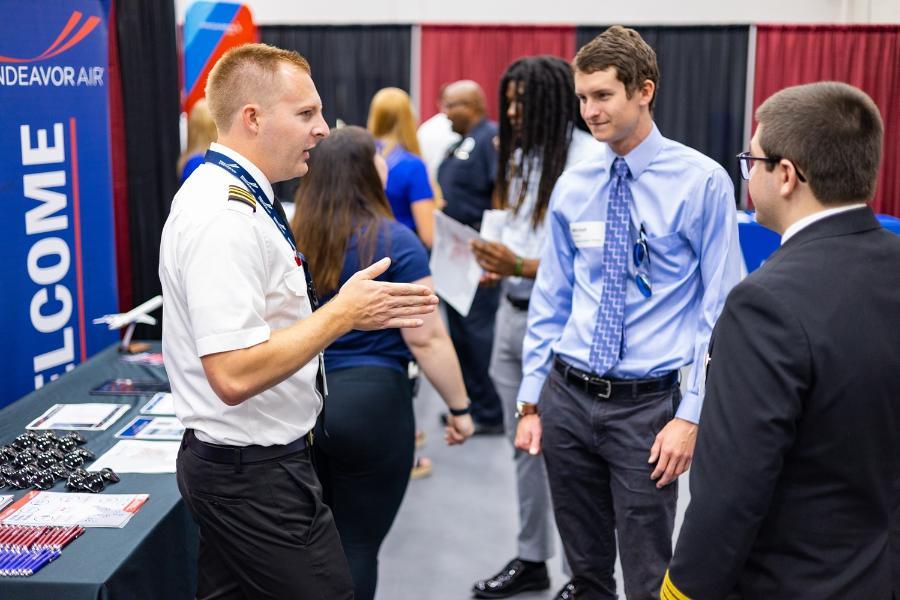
<point>57,254</point>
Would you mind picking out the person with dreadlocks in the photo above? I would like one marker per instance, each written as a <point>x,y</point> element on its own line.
<point>539,137</point>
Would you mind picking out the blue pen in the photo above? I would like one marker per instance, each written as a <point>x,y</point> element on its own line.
<point>47,557</point>
<point>13,565</point>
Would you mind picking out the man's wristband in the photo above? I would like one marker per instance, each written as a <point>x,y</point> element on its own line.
<point>458,412</point>
<point>517,269</point>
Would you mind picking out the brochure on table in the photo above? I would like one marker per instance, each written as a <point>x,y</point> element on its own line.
<point>138,456</point>
<point>63,509</point>
<point>88,416</point>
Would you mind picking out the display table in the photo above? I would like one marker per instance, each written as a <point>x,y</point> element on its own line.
<point>154,555</point>
<point>758,243</point>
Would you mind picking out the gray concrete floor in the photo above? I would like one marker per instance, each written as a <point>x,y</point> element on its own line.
<point>460,524</point>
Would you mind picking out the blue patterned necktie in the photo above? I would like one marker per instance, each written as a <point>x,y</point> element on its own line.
<point>608,342</point>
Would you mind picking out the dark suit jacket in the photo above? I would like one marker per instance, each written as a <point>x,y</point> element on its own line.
<point>796,478</point>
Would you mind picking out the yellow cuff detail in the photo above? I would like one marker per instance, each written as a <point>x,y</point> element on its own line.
<point>670,592</point>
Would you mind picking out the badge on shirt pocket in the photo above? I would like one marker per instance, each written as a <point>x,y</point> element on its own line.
<point>295,281</point>
<point>588,234</point>
<point>463,151</point>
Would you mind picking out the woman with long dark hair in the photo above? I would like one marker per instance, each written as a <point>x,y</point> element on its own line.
<point>364,451</point>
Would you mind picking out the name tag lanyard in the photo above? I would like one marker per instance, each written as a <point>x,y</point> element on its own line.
<point>278,217</point>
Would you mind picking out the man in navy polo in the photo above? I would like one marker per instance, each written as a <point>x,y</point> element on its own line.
<point>466,177</point>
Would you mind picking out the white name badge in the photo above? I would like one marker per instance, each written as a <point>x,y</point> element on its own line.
<point>588,234</point>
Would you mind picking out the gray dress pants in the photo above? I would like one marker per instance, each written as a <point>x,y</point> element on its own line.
<point>536,527</point>
<point>596,453</point>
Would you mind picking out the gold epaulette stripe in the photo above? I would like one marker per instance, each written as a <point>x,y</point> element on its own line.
<point>239,194</point>
<point>670,592</point>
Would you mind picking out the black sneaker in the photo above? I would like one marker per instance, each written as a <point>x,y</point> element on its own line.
<point>516,577</point>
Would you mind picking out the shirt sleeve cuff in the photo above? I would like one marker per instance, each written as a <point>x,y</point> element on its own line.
<point>233,340</point>
<point>530,389</point>
<point>690,406</point>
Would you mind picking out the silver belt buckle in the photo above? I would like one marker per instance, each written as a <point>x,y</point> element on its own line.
<point>608,391</point>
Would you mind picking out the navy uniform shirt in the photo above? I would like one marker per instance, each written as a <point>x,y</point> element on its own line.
<point>467,174</point>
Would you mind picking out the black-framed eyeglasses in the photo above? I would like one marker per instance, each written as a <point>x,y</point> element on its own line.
<point>746,161</point>
<point>641,253</point>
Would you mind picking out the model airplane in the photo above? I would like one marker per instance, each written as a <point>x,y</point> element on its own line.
<point>130,319</point>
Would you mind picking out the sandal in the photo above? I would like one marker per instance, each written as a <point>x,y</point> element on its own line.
<point>421,468</point>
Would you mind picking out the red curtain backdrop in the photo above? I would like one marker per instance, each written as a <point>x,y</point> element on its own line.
<point>119,163</point>
<point>482,53</point>
<point>867,56</point>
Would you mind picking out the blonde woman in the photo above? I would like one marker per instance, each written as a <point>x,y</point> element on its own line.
<point>408,189</point>
<point>201,132</point>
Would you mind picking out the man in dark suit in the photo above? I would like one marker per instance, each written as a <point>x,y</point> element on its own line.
<point>796,478</point>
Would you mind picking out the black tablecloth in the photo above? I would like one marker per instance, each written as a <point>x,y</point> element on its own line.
<point>154,555</point>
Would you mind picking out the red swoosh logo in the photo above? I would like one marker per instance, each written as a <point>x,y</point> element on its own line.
<point>58,47</point>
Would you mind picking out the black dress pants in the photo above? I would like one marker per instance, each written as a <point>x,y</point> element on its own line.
<point>363,455</point>
<point>264,530</point>
<point>473,339</point>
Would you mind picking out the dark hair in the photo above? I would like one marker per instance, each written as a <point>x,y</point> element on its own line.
<point>832,132</point>
<point>624,49</point>
<point>545,94</point>
<point>342,195</point>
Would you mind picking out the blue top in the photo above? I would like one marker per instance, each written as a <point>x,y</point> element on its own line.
<point>407,184</point>
<point>685,201</point>
<point>385,348</point>
<point>467,175</point>
<point>190,164</point>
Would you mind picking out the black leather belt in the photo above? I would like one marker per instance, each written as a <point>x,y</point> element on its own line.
<point>243,455</point>
<point>517,303</point>
<point>607,388</point>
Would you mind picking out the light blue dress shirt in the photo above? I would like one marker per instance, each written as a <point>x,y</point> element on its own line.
<point>685,201</point>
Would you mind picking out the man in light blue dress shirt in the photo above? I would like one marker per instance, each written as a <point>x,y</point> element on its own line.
<point>642,250</point>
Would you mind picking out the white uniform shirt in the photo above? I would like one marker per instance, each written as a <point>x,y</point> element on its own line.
<point>519,234</point>
<point>229,278</point>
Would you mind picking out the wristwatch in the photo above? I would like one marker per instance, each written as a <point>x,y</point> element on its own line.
<point>526,408</point>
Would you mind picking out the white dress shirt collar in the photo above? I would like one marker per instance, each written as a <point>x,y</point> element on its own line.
<point>817,216</point>
<point>245,162</point>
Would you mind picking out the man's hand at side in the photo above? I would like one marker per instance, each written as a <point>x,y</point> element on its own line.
<point>528,434</point>
<point>673,451</point>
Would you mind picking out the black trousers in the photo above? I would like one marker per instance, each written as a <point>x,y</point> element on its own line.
<point>264,530</point>
<point>473,338</point>
<point>364,461</point>
<point>596,453</point>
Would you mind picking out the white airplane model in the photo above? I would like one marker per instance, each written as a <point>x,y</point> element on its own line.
<point>131,318</point>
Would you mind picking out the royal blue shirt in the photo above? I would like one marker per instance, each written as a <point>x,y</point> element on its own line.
<point>190,164</point>
<point>685,201</point>
<point>407,184</point>
<point>467,175</point>
<point>385,348</point>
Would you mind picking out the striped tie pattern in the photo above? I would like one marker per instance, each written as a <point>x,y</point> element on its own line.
<point>607,344</point>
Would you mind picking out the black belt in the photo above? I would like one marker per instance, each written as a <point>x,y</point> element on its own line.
<point>517,303</point>
<point>243,455</point>
<point>606,388</point>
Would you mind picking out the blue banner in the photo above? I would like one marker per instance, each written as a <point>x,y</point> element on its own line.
<point>57,251</point>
